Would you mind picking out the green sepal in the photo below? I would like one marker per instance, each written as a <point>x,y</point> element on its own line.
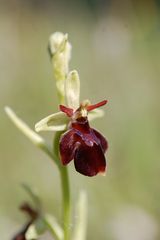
<point>54,122</point>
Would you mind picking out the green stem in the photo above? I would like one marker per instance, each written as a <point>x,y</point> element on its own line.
<point>66,201</point>
<point>65,189</point>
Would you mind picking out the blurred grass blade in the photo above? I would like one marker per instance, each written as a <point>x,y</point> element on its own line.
<point>81,218</point>
<point>33,194</point>
<point>53,227</point>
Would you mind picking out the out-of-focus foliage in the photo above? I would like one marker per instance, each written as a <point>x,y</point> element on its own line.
<point>116,49</point>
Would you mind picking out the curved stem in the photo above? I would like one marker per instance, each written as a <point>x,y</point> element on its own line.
<point>65,189</point>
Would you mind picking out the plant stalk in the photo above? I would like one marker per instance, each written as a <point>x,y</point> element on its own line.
<point>66,201</point>
<point>65,189</point>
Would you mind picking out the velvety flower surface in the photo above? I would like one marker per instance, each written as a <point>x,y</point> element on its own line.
<point>83,144</point>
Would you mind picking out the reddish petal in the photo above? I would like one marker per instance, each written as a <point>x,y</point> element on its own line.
<point>102,140</point>
<point>67,110</point>
<point>97,105</point>
<point>89,160</point>
<point>67,146</point>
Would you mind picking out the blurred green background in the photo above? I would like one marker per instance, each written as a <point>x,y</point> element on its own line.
<point>116,49</point>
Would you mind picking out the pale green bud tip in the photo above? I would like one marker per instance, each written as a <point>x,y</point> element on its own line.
<point>34,137</point>
<point>58,42</point>
<point>32,192</point>
<point>72,88</point>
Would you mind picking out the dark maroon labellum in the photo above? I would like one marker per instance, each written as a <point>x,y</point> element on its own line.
<point>84,144</point>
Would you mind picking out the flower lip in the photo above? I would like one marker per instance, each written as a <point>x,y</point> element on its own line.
<point>86,146</point>
<point>82,143</point>
<point>81,125</point>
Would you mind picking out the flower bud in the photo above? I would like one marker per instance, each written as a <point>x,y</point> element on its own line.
<point>60,52</point>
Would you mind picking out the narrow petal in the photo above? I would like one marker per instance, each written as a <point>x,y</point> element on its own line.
<point>66,110</point>
<point>103,141</point>
<point>54,122</point>
<point>89,160</point>
<point>72,88</point>
<point>97,105</point>
<point>67,146</point>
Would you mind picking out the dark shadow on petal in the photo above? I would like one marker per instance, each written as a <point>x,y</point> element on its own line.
<point>102,140</point>
<point>89,160</point>
<point>67,146</point>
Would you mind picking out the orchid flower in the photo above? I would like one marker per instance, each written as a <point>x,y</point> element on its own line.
<point>79,142</point>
